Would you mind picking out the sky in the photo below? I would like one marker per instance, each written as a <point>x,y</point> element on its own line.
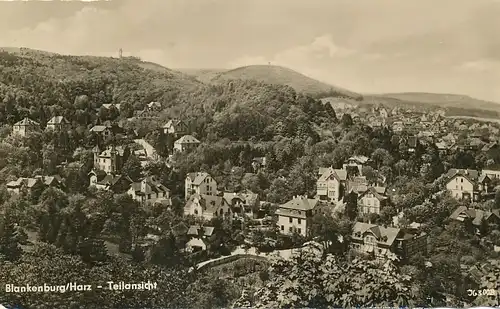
<point>442,46</point>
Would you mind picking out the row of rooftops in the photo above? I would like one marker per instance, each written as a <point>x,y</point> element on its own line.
<point>30,182</point>
<point>383,234</point>
<point>54,120</point>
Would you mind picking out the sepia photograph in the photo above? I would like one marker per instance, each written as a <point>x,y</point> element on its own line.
<point>206,154</point>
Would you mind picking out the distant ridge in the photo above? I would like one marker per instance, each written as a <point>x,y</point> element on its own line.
<point>272,74</point>
<point>444,100</point>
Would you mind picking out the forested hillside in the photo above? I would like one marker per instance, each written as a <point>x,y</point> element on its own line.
<point>76,232</point>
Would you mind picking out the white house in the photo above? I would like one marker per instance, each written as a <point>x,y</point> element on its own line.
<point>462,184</point>
<point>25,127</point>
<point>356,161</point>
<point>208,207</point>
<point>331,183</point>
<point>102,131</point>
<point>372,200</point>
<point>148,190</point>
<point>57,123</point>
<point>296,214</point>
<point>176,127</point>
<point>199,183</point>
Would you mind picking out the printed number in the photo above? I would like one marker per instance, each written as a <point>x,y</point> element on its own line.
<point>485,292</point>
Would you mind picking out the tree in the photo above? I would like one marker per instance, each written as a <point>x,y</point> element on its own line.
<point>351,206</point>
<point>10,248</point>
<point>294,283</point>
<point>347,120</point>
<point>324,229</point>
<point>132,168</point>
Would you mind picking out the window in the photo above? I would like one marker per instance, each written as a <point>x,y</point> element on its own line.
<point>196,211</point>
<point>290,229</point>
<point>300,231</point>
<point>461,180</point>
<point>208,188</point>
<point>300,221</point>
<point>282,227</point>
<point>461,187</point>
<point>290,220</point>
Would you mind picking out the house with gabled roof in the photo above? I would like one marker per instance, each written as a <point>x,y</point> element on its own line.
<point>243,203</point>
<point>492,171</point>
<point>101,130</point>
<point>382,242</point>
<point>476,216</point>
<point>149,191</point>
<point>356,162</point>
<point>198,237</point>
<point>186,143</point>
<point>111,159</point>
<point>25,127</point>
<point>331,183</point>
<point>199,183</point>
<point>295,215</point>
<point>176,127</point>
<point>467,184</point>
<point>208,207</point>
<point>109,182</point>
<point>57,123</point>
<point>112,105</point>
<point>23,183</point>
<point>372,200</point>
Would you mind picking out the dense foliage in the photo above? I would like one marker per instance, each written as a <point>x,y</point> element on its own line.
<point>77,234</point>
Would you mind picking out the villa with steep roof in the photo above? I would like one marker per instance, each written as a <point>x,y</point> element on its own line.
<point>25,127</point>
<point>110,160</point>
<point>109,182</point>
<point>356,162</point>
<point>148,191</point>
<point>467,184</point>
<point>176,127</point>
<point>102,131</point>
<point>199,183</point>
<point>243,203</point>
<point>476,216</point>
<point>186,143</point>
<point>57,123</point>
<point>208,207</point>
<point>296,214</point>
<point>372,200</point>
<point>331,184</point>
<point>380,241</point>
<point>198,237</point>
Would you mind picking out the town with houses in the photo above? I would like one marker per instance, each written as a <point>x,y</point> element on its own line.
<point>204,199</point>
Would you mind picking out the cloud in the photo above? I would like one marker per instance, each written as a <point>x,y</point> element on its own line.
<point>481,65</point>
<point>320,48</point>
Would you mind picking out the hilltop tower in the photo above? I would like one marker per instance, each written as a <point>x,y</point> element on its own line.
<point>120,53</point>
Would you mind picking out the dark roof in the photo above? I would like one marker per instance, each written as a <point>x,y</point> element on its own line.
<point>26,122</point>
<point>57,120</point>
<point>198,178</point>
<point>150,186</point>
<point>209,203</point>
<point>300,203</point>
<point>476,215</point>
<point>376,191</point>
<point>378,231</point>
<point>472,175</point>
